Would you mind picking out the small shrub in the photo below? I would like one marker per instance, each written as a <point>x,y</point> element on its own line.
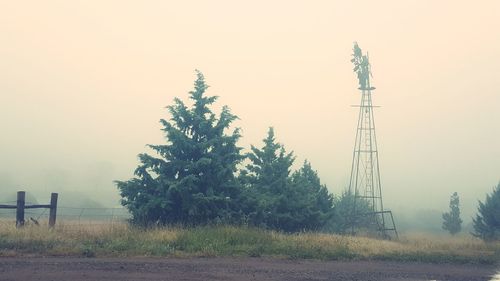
<point>88,251</point>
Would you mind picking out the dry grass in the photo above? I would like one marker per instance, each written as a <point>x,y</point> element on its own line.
<point>121,240</point>
<point>428,247</point>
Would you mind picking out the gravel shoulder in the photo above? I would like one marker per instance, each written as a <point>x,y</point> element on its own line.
<point>76,269</point>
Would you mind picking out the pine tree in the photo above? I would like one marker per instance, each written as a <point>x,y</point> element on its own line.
<point>267,182</point>
<point>451,220</point>
<point>191,181</point>
<point>487,221</point>
<point>315,200</point>
<point>270,165</point>
<point>341,220</point>
<point>282,201</point>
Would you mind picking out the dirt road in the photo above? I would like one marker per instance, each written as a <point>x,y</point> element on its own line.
<point>76,269</point>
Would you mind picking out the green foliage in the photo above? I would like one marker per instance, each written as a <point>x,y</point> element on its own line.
<point>268,185</point>
<point>342,222</point>
<point>315,201</point>
<point>280,201</point>
<point>451,220</point>
<point>487,221</point>
<point>191,181</point>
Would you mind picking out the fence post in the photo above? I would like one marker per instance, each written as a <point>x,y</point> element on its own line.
<point>20,208</point>
<point>53,210</point>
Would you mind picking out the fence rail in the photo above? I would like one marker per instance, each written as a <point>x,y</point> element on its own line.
<point>21,206</point>
<point>73,216</point>
<point>69,215</point>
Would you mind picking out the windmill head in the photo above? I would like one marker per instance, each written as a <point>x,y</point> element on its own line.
<point>361,67</point>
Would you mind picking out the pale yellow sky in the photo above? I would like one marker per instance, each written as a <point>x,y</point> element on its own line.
<point>84,83</point>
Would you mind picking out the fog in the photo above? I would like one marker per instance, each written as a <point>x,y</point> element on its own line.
<point>84,83</point>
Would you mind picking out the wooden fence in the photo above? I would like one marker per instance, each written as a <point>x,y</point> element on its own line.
<point>21,206</point>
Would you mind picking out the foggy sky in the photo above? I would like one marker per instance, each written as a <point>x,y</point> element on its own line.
<point>84,83</point>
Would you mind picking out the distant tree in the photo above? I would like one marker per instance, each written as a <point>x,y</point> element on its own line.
<point>341,219</point>
<point>487,221</point>
<point>191,180</point>
<point>451,220</point>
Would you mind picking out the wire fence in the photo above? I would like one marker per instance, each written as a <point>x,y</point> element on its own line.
<point>8,213</point>
<point>69,216</point>
<point>76,215</point>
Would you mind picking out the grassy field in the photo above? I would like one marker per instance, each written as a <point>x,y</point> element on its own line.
<point>121,240</point>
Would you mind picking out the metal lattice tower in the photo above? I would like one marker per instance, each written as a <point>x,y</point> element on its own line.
<point>364,184</point>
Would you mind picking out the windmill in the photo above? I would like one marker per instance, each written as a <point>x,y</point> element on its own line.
<point>367,209</point>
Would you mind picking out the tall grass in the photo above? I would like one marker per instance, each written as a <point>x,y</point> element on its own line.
<point>122,240</point>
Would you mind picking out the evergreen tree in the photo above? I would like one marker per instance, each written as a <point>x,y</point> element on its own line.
<point>487,221</point>
<point>341,220</point>
<point>191,181</point>
<point>451,220</point>
<point>314,197</point>
<point>267,182</point>
<point>280,201</point>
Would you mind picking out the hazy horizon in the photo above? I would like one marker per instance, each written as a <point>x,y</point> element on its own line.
<point>84,84</point>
